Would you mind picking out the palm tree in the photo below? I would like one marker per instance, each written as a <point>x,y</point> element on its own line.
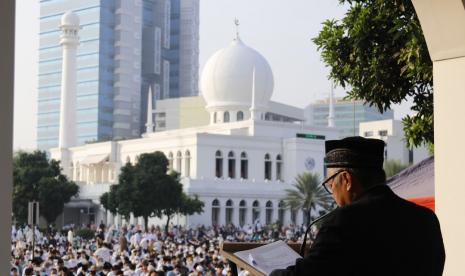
<point>307,195</point>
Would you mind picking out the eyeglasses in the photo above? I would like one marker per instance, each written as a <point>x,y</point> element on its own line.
<point>329,179</point>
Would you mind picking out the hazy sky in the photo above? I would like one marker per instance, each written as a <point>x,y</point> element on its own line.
<point>280,30</point>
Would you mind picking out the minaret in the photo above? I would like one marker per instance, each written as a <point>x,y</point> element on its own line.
<point>149,124</point>
<point>69,40</point>
<point>254,113</point>
<point>331,107</point>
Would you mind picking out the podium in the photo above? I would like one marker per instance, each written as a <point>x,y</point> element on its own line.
<point>227,250</point>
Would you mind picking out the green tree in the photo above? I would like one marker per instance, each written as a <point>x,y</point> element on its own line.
<point>184,205</point>
<point>146,189</point>
<point>37,178</point>
<point>392,167</point>
<point>307,195</point>
<point>378,52</point>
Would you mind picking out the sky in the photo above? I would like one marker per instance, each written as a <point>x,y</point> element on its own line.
<point>280,30</point>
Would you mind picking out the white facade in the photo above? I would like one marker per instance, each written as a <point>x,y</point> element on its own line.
<point>193,153</point>
<point>392,132</point>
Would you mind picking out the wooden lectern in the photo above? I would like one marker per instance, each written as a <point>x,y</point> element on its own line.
<point>227,250</point>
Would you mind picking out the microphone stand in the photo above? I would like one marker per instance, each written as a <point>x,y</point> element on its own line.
<point>304,243</point>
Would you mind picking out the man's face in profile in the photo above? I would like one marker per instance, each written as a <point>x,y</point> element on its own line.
<point>339,184</point>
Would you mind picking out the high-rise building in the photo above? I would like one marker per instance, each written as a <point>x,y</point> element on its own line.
<point>347,115</point>
<point>124,47</point>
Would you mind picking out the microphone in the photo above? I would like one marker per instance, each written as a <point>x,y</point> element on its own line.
<point>302,247</point>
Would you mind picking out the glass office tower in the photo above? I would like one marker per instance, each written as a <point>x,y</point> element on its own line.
<point>125,47</point>
<point>348,115</point>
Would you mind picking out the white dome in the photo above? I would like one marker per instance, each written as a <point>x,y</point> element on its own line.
<point>69,18</point>
<point>227,78</point>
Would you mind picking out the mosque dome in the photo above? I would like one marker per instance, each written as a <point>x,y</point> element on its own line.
<point>227,78</point>
<point>69,18</point>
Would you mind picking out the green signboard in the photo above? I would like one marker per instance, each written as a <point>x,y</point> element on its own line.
<point>310,136</point>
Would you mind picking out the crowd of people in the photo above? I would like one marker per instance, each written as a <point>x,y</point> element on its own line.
<point>133,250</point>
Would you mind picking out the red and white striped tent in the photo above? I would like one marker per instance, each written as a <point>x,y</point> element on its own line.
<point>416,183</point>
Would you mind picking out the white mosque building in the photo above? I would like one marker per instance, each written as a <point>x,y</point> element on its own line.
<point>239,162</point>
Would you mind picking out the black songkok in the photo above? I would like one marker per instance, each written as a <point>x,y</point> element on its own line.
<point>355,152</point>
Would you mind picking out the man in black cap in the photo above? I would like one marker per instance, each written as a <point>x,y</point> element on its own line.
<point>373,232</point>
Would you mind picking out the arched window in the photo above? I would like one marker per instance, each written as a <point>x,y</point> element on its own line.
<point>244,166</point>
<point>170,161</point>
<point>268,165</point>
<point>179,162</point>
<point>242,212</point>
<point>231,165</point>
<point>229,211</point>
<point>226,117</point>
<point>187,156</point>
<point>281,212</point>
<point>239,116</point>
<point>255,211</point>
<point>279,168</point>
<point>218,164</point>
<point>269,212</point>
<point>215,212</point>
<point>215,117</point>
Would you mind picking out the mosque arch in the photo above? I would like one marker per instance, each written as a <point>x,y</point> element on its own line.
<point>281,211</point>
<point>244,165</point>
<point>215,211</point>
<point>255,211</point>
<point>269,212</point>
<point>231,165</point>
<point>242,212</point>
<point>218,164</point>
<point>279,168</point>
<point>229,211</point>
<point>240,116</point>
<point>226,118</point>
<point>268,164</point>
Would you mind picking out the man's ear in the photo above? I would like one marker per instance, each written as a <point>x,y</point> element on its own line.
<point>348,180</point>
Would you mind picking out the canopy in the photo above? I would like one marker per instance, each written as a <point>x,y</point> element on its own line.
<point>416,183</point>
<point>95,159</point>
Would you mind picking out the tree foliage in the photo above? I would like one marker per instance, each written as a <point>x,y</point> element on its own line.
<point>378,52</point>
<point>392,167</point>
<point>35,178</point>
<point>307,195</point>
<point>147,189</point>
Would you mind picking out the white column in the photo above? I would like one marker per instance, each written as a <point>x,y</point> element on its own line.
<point>109,175</point>
<point>87,169</point>
<point>442,24</point>
<point>104,173</point>
<point>81,173</point>
<point>235,218</point>
<point>263,212</point>
<point>222,217</point>
<point>275,211</point>
<point>69,41</point>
